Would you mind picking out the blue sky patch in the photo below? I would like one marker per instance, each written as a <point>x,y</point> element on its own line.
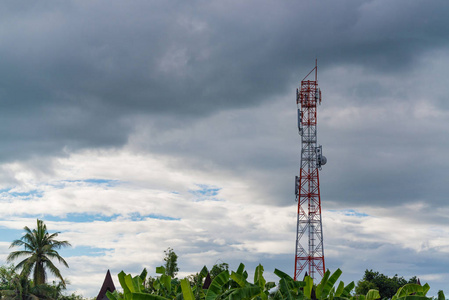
<point>351,213</point>
<point>139,217</point>
<point>9,235</point>
<point>27,195</point>
<point>90,181</point>
<point>160,217</point>
<point>80,218</point>
<point>205,192</point>
<point>82,251</point>
<point>97,181</point>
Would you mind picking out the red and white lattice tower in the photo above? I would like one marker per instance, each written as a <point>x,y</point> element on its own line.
<point>309,234</point>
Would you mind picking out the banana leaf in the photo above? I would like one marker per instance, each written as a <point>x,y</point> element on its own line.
<point>425,289</point>
<point>320,286</point>
<point>143,296</point>
<point>347,290</point>
<point>372,295</point>
<point>203,272</point>
<point>281,274</point>
<point>112,296</point>
<point>340,288</point>
<point>245,292</point>
<point>284,290</point>
<point>239,278</point>
<point>308,287</point>
<point>143,275</point>
<point>409,289</point>
<point>216,286</point>
<point>186,290</point>
<point>329,283</point>
<point>258,277</point>
<point>240,269</point>
<point>121,279</point>
<point>413,297</point>
<point>166,282</point>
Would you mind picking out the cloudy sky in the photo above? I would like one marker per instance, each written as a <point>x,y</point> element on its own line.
<point>135,126</point>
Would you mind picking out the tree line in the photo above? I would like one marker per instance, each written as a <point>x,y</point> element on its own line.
<point>28,279</point>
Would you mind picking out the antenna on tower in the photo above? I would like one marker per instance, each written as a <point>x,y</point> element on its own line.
<point>309,234</point>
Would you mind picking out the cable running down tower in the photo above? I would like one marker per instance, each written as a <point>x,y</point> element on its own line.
<point>309,234</point>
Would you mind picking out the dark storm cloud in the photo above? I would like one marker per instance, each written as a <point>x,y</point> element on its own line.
<point>72,72</point>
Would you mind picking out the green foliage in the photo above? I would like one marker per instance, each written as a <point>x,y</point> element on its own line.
<point>7,274</point>
<point>411,291</point>
<point>372,295</point>
<point>363,286</point>
<point>171,262</point>
<point>290,289</point>
<point>196,282</point>
<point>223,286</point>
<point>217,285</point>
<point>39,248</point>
<point>186,290</point>
<point>20,287</point>
<point>218,268</point>
<point>133,288</point>
<point>387,286</point>
<point>235,285</point>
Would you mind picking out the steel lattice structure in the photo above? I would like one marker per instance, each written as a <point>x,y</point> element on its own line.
<point>309,234</point>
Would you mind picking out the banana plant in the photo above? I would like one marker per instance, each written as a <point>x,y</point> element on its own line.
<point>236,286</point>
<point>262,283</point>
<point>216,287</point>
<point>132,288</point>
<point>291,289</point>
<point>246,290</point>
<point>197,284</point>
<point>325,290</point>
<point>412,291</point>
<point>371,295</point>
<point>164,285</point>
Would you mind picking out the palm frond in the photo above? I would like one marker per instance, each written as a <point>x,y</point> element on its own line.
<point>55,271</point>
<point>56,255</point>
<point>16,254</point>
<point>60,244</point>
<point>16,243</point>
<point>28,230</point>
<point>53,235</point>
<point>26,265</point>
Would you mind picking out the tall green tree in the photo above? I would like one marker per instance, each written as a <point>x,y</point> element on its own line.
<point>39,249</point>
<point>171,263</point>
<point>218,268</point>
<point>387,286</point>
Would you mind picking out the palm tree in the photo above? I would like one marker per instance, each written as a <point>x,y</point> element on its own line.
<point>40,249</point>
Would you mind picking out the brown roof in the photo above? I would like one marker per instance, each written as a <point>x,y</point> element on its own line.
<point>108,285</point>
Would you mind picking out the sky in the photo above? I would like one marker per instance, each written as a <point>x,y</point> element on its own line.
<point>131,127</point>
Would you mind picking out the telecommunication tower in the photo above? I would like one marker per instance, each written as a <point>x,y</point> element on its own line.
<point>309,233</point>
